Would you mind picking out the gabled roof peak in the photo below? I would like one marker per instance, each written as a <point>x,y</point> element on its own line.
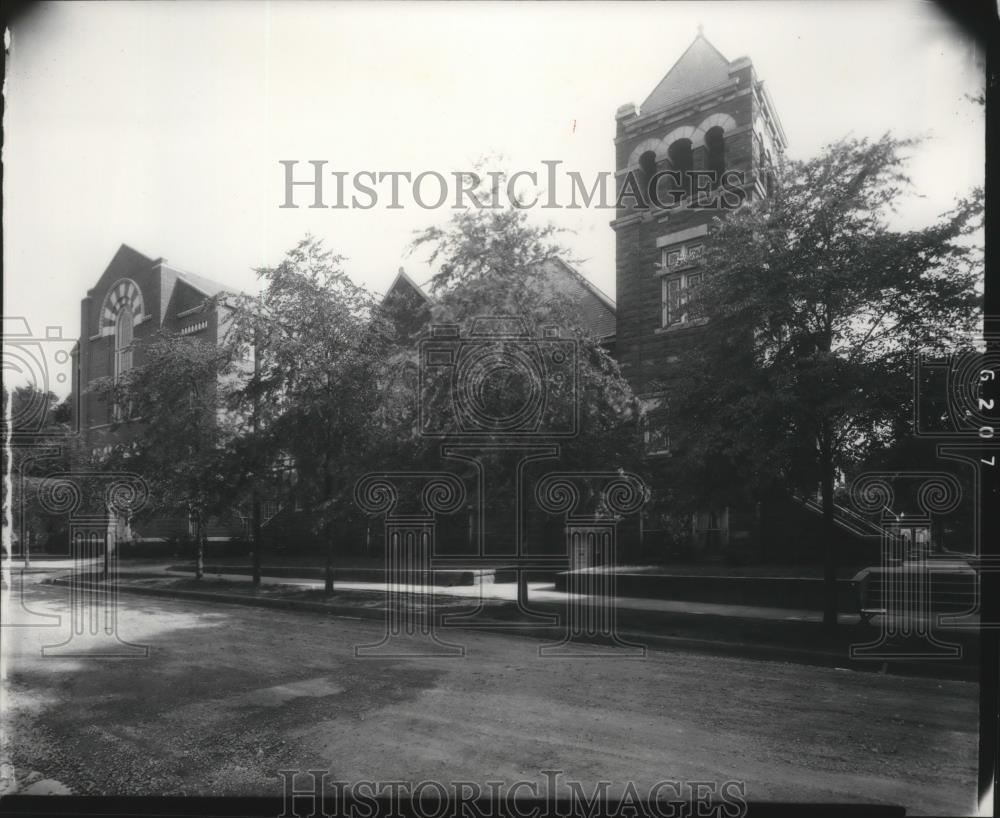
<point>700,67</point>
<point>402,277</point>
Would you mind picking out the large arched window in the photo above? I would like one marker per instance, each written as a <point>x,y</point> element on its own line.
<point>122,355</point>
<point>121,311</point>
<point>715,153</point>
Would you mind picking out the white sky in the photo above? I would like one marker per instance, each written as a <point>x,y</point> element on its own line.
<point>160,125</point>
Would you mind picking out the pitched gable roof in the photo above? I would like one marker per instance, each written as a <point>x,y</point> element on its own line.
<point>597,310</point>
<point>206,286</point>
<point>402,283</point>
<point>130,256</point>
<point>699,68</point>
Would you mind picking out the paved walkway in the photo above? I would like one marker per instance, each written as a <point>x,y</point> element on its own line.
<point>537,591</point>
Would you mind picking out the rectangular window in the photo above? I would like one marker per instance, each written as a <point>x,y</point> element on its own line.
<point>680,255</point>
<point>691,283</point>
<point>684,259</point>
<point>676,290</point>
<point>671,300</point>
<point>655,435</point>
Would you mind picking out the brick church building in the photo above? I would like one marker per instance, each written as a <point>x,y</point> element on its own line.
<point>706,114</point>
<point>709,121</point>
<point>708,129</point>
<point>136,297</point>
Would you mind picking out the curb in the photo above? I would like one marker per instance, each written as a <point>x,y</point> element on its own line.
<point>960,671</point>
<point>241,599</point>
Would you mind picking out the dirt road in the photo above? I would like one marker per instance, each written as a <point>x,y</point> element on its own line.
<point>229,695</point>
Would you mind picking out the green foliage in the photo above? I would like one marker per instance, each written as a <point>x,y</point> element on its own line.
<point>816,308</point>
<point>46,418</point>
<point>313,400</point>
<point>175,431</point>
<point>496,262</point>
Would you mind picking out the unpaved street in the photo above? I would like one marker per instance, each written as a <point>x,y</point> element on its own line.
<point>231,694</point>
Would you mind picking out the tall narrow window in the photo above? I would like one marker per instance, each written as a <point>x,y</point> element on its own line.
<point>769,173</point>
<point>647,168</point>
<point>691,283</point>
<point>122,353</point>
<point>715,156</point>
<point>683,276</point>
<point>671,301</point>
<point>682,160</point>
<point>122,310</point>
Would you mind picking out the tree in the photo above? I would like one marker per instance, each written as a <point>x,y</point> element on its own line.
<point>177,430</point>
<point>495,262</point>
<point>815,307</point>
<point>314,395</point>
<point>38,432</point>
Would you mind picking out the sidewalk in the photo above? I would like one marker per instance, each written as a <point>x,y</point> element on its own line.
<point>742,630</point>
<point>545,592</point>
<point>541,592</point>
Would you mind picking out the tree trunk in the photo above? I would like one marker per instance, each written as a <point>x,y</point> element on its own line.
<point>199,554</point>
<point>328,574</point>
<point>522,588</point>
<point>255,510</point>
<point>829,535</point>
<point>255,535</point>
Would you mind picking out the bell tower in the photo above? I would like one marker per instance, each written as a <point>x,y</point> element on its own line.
<point>705,139</point>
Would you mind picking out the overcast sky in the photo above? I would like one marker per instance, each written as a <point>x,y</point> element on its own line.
<point>161,125</point>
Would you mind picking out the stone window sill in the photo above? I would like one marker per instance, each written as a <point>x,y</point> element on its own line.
<point>680,326</point>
